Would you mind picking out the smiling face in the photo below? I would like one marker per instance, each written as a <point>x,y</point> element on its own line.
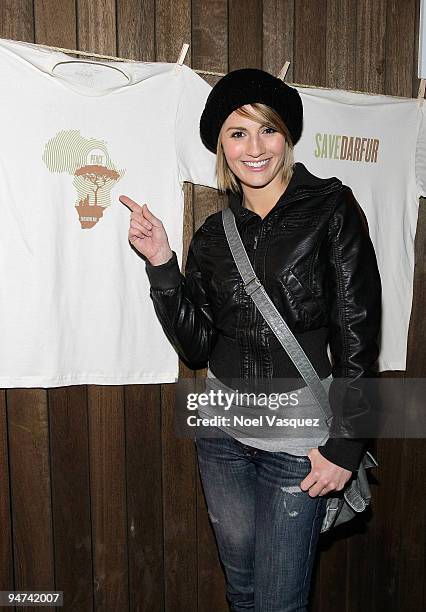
<point>254,151</point>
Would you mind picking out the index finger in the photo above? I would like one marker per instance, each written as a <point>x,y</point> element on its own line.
<point>134,206</point>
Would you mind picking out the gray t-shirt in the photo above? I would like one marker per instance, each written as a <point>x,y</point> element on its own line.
<point>293,424</point>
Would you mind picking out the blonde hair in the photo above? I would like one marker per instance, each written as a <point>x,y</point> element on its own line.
<point>226,179</point>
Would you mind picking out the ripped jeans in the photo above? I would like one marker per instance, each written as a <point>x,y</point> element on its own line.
<point>266,527</point>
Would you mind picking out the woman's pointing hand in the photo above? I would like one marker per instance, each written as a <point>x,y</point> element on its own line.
<point>147,233</point>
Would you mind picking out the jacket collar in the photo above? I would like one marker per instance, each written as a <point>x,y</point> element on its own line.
<point>301,181</point>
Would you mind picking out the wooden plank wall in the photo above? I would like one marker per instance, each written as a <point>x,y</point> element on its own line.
<point>97,496</point>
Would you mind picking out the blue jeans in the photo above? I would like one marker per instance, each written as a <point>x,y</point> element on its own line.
<point>266,527</point>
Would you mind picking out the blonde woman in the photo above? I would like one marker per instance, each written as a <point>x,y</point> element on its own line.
<point>307,239</point>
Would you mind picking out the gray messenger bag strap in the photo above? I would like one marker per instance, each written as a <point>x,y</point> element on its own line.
<point>356,495</point>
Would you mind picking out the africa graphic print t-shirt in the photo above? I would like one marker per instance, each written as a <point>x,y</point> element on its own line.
<point>377,145</point>
<point>74,295</point>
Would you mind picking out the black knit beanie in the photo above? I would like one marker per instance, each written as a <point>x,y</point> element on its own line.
<point>246,86</point>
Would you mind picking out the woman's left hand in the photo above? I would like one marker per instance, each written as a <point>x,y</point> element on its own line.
<point>324,476</point>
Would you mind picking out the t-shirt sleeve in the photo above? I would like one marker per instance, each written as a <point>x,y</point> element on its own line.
<point>195,162</point>
<point>421,154</point>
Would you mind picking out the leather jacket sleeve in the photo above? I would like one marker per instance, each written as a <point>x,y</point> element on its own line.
<point>354,288</point>
<point>182,308</point>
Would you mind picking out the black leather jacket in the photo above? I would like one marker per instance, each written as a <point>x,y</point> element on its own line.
<point>313,254</point>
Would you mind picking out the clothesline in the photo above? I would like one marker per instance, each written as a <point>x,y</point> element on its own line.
<point>78,131</point>
<point>420,96</point>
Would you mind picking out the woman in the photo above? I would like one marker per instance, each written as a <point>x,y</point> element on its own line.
<point>308,242</point>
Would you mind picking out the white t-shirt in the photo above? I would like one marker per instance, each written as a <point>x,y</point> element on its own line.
<point>74,295</point>
<point>377,146</point>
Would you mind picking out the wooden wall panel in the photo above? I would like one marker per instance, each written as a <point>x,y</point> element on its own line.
<point>30,486</point>
<point>136,30</point>
<point>173,28</point>
<point>97,26</point>
<point>414,78</point>
<point>209,52</point>
<point>399,50</point>
<point>310,29</point>
<point>17,19</point>
<point>70,475</point>
<point>6,548</point>
<point>278,37</point>
<point>245,35</point>
<point>340,44</point>
<point>370,46</point>
<point>108,497</point>
<point>99,497</point>
<point>410,577</point>
<point>145,525</point>
<point>55,23</point>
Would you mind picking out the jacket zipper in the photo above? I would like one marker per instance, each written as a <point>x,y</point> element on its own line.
<point>329,189</point>
<point>256,239</point>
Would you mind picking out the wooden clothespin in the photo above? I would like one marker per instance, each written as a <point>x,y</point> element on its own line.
<point>181,58</point>
<point>421,93</point>
<point>283,71</point>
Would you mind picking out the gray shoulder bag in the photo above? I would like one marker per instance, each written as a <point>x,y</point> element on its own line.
<point>356,494</point>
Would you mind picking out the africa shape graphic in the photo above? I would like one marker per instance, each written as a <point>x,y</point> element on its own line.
<point>88,161</point>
